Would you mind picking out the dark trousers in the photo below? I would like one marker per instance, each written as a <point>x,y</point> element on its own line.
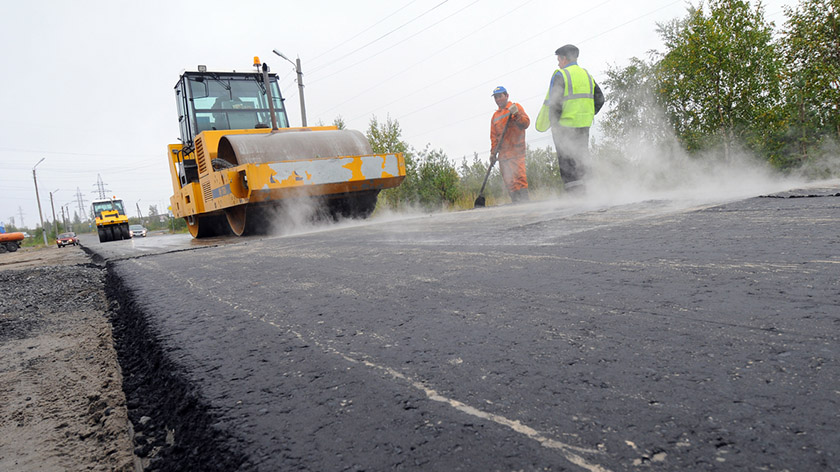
<point>572,145</point>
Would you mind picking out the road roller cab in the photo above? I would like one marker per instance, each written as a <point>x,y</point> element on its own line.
<point>238,161</point>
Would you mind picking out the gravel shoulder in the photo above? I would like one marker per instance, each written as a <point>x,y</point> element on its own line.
<point>62,406</point>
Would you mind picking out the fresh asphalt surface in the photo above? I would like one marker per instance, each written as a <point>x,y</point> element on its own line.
<point>546,336</point>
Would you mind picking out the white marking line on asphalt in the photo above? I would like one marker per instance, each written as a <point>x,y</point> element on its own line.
<point>565,449</point>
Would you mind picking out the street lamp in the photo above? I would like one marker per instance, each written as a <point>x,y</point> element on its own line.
<point>38,197</point>
<point>52,205</point>
<point>139,213</point>
<point>300,85</point>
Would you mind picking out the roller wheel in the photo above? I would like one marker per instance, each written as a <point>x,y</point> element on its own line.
<point>244,220</point>
<point>126,234</point>
<point>207,226</point>
<point>364,204</point>
<point>236,218</point>
<point>356,205</point>
<point>102,236</point>
<point>195,228</point>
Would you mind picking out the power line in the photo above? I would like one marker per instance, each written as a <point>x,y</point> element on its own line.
<point>6,188</point>
<point>72,153</point>
<point>470,118</point>
<point>628,22</point>
<point>80,201</point>
<point>519,68</point>
<point>293,95</point>
<point>120,169</point>
<point>473,65</point>
<point>100,187</point>
<point>283,80</point>
<point>526,65</point>
<point>357,63</point>
<point>384,35</point>
<point>406,69</point>
<point>364,30</point>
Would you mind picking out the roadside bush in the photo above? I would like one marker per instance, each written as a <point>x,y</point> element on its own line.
<point>472,176</point>
<point>406,193</point>
<point>543,169</point>
<point>437,184</point>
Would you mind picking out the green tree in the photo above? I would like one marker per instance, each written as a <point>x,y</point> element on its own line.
<point>387,138</point>
<point>719,77</point>
<point>541,168</point>
<point>811,47</point>
<point>339,123</point>
<point>437,179</point>
<point>635,112</point>
<point>471,176</point>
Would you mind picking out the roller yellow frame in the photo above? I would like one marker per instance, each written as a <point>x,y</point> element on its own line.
<point>230,164</point>
<point>257,183</point>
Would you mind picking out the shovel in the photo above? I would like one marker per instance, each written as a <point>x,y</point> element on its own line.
<point>479,202</point>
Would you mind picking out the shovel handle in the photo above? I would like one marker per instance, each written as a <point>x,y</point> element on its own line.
<point>496,154</point>
<point>486,176</point>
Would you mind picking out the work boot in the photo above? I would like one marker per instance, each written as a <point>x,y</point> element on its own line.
<point>520,195</point>
<point>575,187</point>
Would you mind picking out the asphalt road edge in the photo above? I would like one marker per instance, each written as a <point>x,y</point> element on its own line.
<point>173,427</point>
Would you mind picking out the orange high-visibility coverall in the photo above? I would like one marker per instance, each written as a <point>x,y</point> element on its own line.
<point>512,152</point>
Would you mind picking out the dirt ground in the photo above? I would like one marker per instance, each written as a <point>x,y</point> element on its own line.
<point>61,401</point>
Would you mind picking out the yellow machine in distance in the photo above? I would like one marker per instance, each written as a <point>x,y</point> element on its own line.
<point>111,220</point>
<point>239,161</point>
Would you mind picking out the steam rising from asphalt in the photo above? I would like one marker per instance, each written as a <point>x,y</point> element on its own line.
<point>647,172</point>
<point>309,215</point>
<point>295,215</point>
<point>649,165</point>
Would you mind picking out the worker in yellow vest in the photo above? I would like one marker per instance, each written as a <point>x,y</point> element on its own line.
<point>572,101</point>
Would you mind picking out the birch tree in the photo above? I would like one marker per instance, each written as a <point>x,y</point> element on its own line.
<point>719,75</point>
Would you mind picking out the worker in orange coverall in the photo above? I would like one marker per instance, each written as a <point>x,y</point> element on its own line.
<point>511,154</point>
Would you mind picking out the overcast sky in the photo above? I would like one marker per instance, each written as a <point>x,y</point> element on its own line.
<point>88,85</point>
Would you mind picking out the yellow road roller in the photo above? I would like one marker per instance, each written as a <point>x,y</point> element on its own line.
<point>111,219</point>
<point>239,163</point>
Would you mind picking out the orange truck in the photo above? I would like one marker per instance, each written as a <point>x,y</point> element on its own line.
<point>10,242</point>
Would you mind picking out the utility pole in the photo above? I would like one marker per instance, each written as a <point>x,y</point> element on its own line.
<point>300,85</point>
<point>55,221</point>
<point>68,219</point>
<point>38,197</point>
<point>80,200</point>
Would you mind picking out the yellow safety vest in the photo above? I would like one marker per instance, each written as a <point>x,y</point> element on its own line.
<point>578,100</point>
